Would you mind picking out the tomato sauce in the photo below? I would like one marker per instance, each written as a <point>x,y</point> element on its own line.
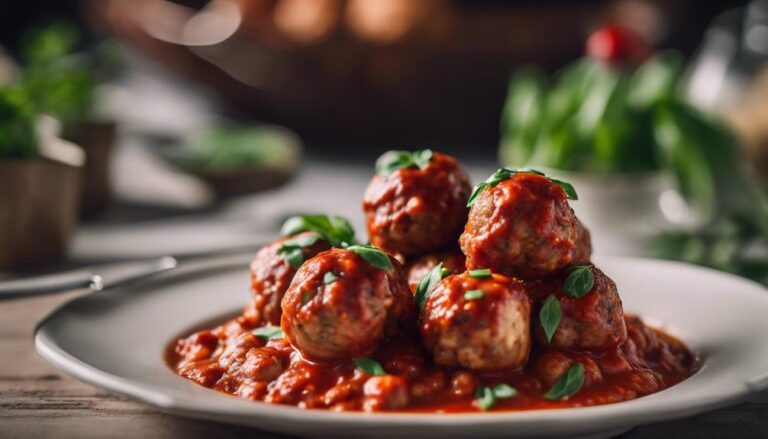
<point>231,359</point>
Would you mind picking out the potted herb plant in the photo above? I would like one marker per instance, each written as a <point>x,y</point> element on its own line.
<point>39,187</point>
<point>615,125</point>
<point>60,83</point>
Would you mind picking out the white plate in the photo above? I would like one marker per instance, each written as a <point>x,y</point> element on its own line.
<point>116,339</point>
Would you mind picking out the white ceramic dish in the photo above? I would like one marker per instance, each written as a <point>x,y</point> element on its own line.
<point>116,339</point>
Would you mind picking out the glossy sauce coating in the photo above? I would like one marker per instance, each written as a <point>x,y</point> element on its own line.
<point>521,227</point>
<point>230,359</point>
<point>414,211</point>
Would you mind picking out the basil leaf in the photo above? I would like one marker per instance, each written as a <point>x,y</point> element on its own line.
<point>301,241</point>
<point>336,230</point>
<point>485,399</point>
<point>549,316</point>
<point>427,284</point>
<point>568,384</point>
<point>570,191</point>
<point>294,255</point>
<point>391,161</point>
<point>330,278</point>
<point>372,255</point>
<point>580,281</point>
<point>474,294</point>
<point>306,296</point>
<point>268,332</point>
<point>369,366</point>
<point>480,273</point>
<point>504,391</point>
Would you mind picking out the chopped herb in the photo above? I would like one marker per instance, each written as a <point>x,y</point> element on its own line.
<point>474,294</point>
<point>568,384</point>
<point>505,173</point>
<point>504,391</point>
<point>391,161</point>
<point>268,332</point>
<point>428,284</point>
<point>369,366</point>
<point>549,316</point>
<point>330,278</point>
<point>306,296</point>
<point>486,397</point>
<point>372,255</point>
<point>292,249</point>
<point>336,230</point>
<point>579,281</point>
<point>480,273</point>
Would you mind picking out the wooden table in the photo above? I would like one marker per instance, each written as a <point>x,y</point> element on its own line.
<point>36,401</point>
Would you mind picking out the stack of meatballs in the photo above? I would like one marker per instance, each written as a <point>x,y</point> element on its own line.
<point>503,256</point>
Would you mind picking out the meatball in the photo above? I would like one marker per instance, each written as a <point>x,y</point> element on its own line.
<point>477,323</point>
<point>592,322</point>
<point>551,365</point>
<point>413,211</point>
<point>453,261</point>
<point>339,306</point>
<point>271,274</point>
<point>583,252</point>
<point>521,227</point>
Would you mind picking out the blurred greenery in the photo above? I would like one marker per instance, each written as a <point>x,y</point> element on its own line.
<point>58,81</point>
<point>596,118</point>
<point>231,148</point>
<point>18,131</point>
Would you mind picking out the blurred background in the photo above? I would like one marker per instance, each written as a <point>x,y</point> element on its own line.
<point>133,129</point>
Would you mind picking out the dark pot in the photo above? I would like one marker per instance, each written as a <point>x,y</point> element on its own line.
<point>97,138</point>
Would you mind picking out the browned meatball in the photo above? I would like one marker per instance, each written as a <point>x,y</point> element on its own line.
<point>413,211</point>
<point>480,324</point>
<point>339,306</point>
<point>593,322</point>
<point>453,261</point>
<point>583,252</point>
<point>271,274</point>
<point>521,227</point>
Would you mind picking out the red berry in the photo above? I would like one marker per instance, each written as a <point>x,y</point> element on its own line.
<point>617,45</point>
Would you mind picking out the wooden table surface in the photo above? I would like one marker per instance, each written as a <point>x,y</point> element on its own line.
<point>36,401</point>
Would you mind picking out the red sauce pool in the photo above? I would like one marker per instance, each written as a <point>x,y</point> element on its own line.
<point>230,359</point>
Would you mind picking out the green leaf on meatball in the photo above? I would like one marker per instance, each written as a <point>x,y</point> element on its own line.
<point>549,316</point>
<point>502,174</point>
<point>391,161</point>
<point>372,255</point>
<point>428,284</point>
<point>568,384</point>
<point>268,333</point>
<point>579,281</point>
<point>336,230</point>
<point>293,249</point>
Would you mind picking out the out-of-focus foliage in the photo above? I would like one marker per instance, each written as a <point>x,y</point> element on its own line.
<point>229,148</point>
<point>58,81</point>
<point>18,132</point>
<point>598,118</point>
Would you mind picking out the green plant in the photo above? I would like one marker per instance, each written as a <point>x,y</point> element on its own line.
<point>18,132</point>
<point>598,118</point>
<point>57,81</point>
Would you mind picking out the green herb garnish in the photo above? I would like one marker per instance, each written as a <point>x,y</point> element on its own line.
<point>391,161</point>
<point>486,397</point>
<point>268,332</point>
<point>506,173</point>
<point>336,230</point>
<point>549,316</point>
<point>474,294</point>
<point>480,273</point>
<point>580,281</point>
<point>329,278</point>
<point>428,284</point>
<point>306,296</point>
<point>293,249</point>
<point>568,384</point>
<point>372,255</point>
<point>369,366</point>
